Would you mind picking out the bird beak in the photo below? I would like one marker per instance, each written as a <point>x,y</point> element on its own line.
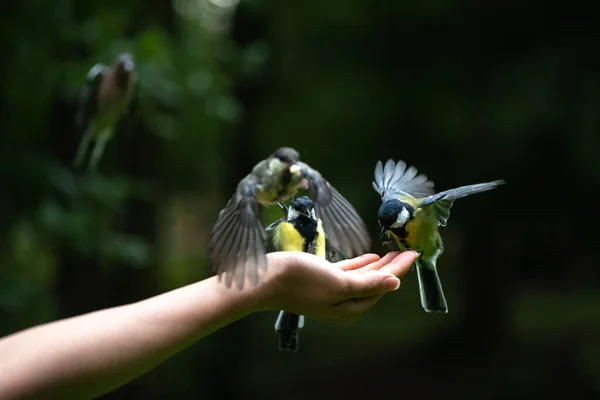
<point>294,169</point>
<point>305,213</point>
<point>383,229</point>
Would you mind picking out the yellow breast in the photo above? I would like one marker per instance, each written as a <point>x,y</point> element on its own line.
<point>288,239</point>
<point>320,245</point>
<point>422,233</point>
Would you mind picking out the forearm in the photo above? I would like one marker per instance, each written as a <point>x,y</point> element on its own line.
<point>85,356</point>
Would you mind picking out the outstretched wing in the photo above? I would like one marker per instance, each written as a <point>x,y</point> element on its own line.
<point>88,97</point>
<point>345,228</point>
<point>395,179</point>
<point>442,202</point>
<point>238,236</point>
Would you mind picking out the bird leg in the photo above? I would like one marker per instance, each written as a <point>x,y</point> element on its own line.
<point>283,208</point>
<point>82,148</point>
<point>407,248</point>
<point>99,149</point>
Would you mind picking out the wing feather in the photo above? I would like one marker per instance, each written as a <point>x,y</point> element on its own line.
<point>88,97</point>
<point>395,179</point>
<point>443,201</point>
<point>345,228</point>
<point>237,244</point>
<point>354,226</point>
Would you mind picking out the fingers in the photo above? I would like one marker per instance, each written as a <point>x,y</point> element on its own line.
<point>378,264</point>
<point>379,277</point>
<point>401,264</point>
<point>365,288</point>
<point>370,283</point>
<point>357,262</point>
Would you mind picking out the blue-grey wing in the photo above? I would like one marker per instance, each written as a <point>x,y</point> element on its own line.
<point>88,97</point>
<point>396,179</point>
<point>345,228</point>
<point>238,236</point>
<point>442,202</point>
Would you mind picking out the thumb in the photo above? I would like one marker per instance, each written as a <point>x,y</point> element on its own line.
<point>370,283</point>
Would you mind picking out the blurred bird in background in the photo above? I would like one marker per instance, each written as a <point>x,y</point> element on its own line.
<point>411,213</point>
<point>298,230</point>
<point>238,236</point>
<point>104,101</point>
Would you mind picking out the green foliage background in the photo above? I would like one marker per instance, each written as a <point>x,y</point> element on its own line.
<point>466,91</point>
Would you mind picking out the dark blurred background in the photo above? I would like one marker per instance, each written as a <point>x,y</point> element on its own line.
<point>466,91</point>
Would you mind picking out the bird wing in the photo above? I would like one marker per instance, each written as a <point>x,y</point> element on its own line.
<point>345,228</point>
<point>442,202</point>
<point>395,179</point>
<point>238,237</point>
<point>88,97</point>
<point>125,123</point>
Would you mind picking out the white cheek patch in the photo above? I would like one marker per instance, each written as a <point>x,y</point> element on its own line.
<point>292,214</point>
<point>312,214</point>
<point>402,219</point>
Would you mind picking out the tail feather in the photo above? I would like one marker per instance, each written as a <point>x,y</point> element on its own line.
<point>287,327</point>
<point>99,147</point>
<point>430,286</point>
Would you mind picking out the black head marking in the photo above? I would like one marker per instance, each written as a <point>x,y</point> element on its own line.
<point>389,211</point>
<point>287,155</point>
<point>303,205</point>
<point>303,220</point>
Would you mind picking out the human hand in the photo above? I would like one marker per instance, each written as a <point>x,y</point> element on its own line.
<point>115,345</point>
<point>340,292</point>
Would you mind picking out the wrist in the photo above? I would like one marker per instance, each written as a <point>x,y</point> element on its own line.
<point>239,302</point>
<point>194,311</point>
<point>267,294</point>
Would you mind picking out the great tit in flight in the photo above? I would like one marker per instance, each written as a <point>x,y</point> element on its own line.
<point>238,236</point>
<point>104,101</point>
<point>298,230</point>
<point>411,213</point>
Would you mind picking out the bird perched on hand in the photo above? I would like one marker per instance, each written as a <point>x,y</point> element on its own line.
<point>104,101</point>
<point>298,230</point>
<point>411,213</point>
<point>237,238</point>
